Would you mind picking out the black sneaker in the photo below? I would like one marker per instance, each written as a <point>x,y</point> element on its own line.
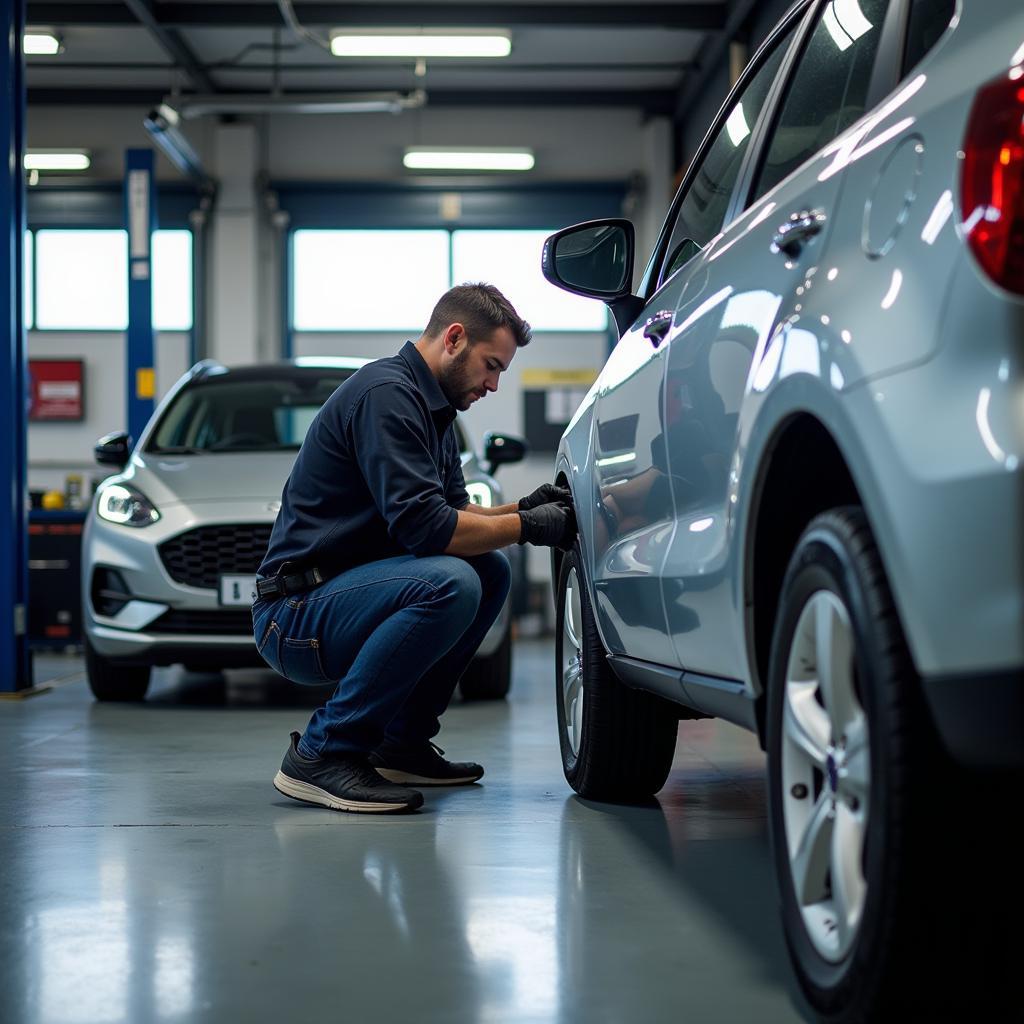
<point>343,784</point>
<point>424,767</point>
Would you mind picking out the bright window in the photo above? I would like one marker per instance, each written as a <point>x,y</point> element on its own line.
<point>81,280</point>
<point>367,280</point>
<point>511,261</point>
<point>172,280</point>
<point>27,281</point>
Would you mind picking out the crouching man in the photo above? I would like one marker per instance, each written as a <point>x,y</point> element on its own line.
<point>381,574</point>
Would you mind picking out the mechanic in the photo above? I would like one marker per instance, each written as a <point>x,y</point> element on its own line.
<point>380,573</point>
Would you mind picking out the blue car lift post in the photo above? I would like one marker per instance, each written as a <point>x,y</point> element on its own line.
<point>15,658</point>
<point>140,220</point>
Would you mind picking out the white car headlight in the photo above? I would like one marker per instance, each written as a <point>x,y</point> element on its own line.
<point>125,506</point>
<point>480,494</point>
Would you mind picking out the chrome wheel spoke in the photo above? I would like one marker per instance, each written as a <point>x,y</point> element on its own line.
<point>810,860</point>
<point>805,722</point>
<point>848,886</point>
<point>833,644</point>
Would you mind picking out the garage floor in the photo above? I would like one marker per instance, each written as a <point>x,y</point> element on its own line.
<point>150,872</point>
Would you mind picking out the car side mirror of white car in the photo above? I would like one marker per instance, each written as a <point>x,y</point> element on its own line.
<point>502,450</point>
<point>113,449</point>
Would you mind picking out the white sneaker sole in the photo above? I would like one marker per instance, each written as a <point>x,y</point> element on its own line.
<point>408,779</point>
<point>314,795</point>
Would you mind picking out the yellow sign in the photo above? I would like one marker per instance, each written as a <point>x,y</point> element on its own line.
<point>538,378</point>
<point>145,382</point>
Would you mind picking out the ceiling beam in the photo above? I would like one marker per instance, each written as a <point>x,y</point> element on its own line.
<point>172,44</point>
<point>652,101</point>
<point>700,17</point>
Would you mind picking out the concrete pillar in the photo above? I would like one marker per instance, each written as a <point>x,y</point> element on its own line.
<point>233,331</point>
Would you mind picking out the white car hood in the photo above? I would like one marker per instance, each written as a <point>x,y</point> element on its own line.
<point>218,476</point>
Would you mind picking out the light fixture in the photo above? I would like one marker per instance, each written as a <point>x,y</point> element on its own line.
<point>460,158</point>
<point>420,43</point>
<point>40,43</point>
<point>56,160</point>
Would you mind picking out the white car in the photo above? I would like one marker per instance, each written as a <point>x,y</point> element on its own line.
<point>799,484</point>
<point>173,540</point>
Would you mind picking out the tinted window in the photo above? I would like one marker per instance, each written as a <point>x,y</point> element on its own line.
<point>244,414</point>
<point>829,89</point>
<point>928,20</point>
<point>704,206</point>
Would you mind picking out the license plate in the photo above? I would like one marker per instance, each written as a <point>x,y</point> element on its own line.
<point>237,590</point>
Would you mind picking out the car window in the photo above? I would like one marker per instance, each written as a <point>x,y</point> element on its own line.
<point>828,91</point>
<point>928,20</point>
<point>704,206</point>
<point>222,415</point>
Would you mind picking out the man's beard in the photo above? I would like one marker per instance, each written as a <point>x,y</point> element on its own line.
<point>455,382</point>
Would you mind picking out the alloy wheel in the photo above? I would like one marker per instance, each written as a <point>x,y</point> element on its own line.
<point>826,776</point>
<point>571,666</point>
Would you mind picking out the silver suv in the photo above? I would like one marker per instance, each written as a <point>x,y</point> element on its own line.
<point>799,480</point>
<point>173,541</point>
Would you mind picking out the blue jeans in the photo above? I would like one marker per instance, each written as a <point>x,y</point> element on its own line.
<point>397,634</point>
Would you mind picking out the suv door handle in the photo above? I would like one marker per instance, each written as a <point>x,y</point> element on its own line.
<point>797,231</point>
<point>657,327</point>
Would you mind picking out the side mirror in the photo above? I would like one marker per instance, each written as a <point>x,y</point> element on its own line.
<point>502,450</point>
<point>594,259</point>
<point>113,449</point>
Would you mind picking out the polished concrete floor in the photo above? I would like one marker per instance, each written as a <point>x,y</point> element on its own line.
<point>150,872</point>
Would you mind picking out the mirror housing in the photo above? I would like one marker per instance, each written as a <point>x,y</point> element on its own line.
<point>113,449</point>
<point>595,259</point>
<point>502,450</point>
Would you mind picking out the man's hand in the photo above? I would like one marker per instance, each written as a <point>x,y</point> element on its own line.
<point>552,525</point>
<point>544,495</point>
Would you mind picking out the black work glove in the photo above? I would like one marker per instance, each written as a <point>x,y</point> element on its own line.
<point>552,525</point>
<point>545,494</point>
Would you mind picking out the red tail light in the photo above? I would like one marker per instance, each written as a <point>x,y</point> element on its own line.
<point>992,183</point>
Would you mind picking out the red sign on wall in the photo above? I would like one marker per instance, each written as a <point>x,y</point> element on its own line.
<point>57,389</point>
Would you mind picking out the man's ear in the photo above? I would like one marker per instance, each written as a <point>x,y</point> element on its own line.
<point>454,338</point>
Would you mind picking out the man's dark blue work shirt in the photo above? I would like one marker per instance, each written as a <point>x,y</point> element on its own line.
<point>378,474</point>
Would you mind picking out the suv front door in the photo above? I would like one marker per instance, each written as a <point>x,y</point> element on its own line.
<point>632,422</point>
<point>749,320</point>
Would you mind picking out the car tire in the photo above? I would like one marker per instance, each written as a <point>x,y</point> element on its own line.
<point>489,678</point>
<point>111,681</point>
<point>854,779</point>
<point>617,743</point>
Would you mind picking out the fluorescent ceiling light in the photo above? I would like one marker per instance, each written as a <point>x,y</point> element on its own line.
<point>413,43</point>
<point>441,158</point>
<point>56,160</point>
<point>40,44</point>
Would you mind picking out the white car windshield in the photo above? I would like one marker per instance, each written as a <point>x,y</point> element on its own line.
<point>244,414</point>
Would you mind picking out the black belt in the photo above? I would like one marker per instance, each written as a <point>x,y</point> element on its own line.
<point>283,586</point>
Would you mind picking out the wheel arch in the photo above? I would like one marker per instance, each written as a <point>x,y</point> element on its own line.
<point>802,473</point>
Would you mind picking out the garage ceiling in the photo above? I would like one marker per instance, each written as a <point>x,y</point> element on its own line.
<point>563,54</point>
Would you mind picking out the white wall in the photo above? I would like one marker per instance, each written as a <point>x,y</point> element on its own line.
<point>57,449</point>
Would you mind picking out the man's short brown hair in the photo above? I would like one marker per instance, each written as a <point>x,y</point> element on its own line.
<point>481,309</point>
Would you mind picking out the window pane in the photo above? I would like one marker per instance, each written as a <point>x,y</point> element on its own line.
<point>82,280</point>
<point>928,20</point>
<point>510,260</point>
<point>830,87</point>
<point>367,280</point>
<point>172,280</point>
<point>27,281</point>
<point>702,211</point>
